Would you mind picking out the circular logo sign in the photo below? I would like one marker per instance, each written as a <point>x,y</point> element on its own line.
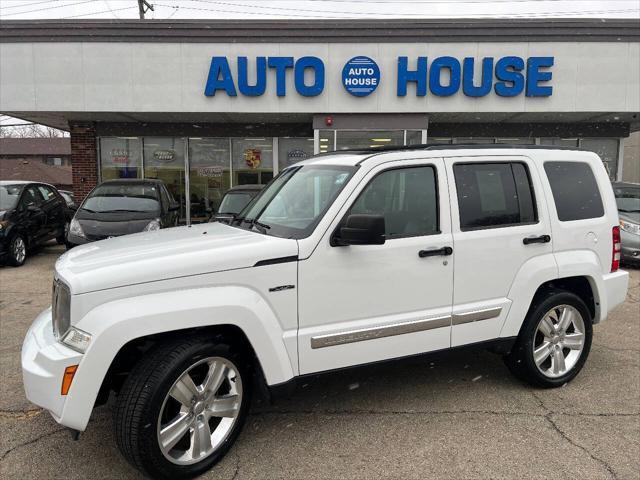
<point>360,76</point>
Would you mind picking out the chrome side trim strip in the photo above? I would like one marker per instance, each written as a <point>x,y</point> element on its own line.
<point>363,334</point>
<point>476,316</point>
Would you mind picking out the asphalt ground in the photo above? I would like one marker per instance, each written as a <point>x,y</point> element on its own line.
<point>454,415</point>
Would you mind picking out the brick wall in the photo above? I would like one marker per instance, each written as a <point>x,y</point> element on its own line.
<point>84,160</point>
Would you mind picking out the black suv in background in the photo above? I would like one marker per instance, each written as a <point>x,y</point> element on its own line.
<point>234,201</point>
<point>120,207</point>
<point>31,214</point>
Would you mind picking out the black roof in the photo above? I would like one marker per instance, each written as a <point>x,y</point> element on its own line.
<point>397,30</point>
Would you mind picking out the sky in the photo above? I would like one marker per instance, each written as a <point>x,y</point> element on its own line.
<point>323,9</point>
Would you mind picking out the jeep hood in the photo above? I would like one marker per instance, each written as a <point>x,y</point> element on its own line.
<point>164,254</point>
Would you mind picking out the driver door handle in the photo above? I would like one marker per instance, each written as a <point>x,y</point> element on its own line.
<point>540,239</point>
<point>435,252</point>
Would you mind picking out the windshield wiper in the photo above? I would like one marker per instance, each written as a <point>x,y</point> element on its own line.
<point>628,211</point>
<point>262,227</point>
<point>87,210</point>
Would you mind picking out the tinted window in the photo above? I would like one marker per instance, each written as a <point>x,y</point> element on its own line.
<point>234,202</point>
<point>406,197</point>
<point>494,195</point>
<point>627,199</point>
<point>47,193</point>
<point>114,197</point>
<point>30,197</point>
<point>575,191</point>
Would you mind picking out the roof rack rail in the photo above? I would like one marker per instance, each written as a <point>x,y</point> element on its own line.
<point>444,146</point>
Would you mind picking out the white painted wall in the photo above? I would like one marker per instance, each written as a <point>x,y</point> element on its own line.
<point>170,77</point>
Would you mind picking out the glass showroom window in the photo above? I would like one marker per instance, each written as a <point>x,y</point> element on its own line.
<point>354,139</point>
<point>292,150</point>
<point>120,157</point>
<point>327,141</point>
<point>607,149</point>
<point>209,175</point>
<point>164,160</point>
<point>252,160</point>
<point>414,137</point>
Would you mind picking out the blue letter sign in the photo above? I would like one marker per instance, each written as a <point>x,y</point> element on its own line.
<point>444,76</point>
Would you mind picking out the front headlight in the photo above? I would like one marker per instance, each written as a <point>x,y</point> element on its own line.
<point>61,308</point>
<point>152,225</point>
<point>77,340</point>
<point>630,227</point>
<point>3,224</point>
<point>76,229</point>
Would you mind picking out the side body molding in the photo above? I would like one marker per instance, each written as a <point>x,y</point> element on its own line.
<point>115,323</point>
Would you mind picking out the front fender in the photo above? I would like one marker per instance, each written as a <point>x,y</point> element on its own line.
<point>116,323</point>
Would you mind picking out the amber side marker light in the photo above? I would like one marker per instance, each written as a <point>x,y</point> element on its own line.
<point>67,378</point>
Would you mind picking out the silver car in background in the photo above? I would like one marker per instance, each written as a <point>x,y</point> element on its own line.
<point>628,201</point>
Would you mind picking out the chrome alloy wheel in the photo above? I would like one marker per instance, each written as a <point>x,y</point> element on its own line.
<point>559,341</point>
<point>199,411</point>
<point>19,249</point>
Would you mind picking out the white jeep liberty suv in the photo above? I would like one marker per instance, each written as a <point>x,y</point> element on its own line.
<point>343,259</point>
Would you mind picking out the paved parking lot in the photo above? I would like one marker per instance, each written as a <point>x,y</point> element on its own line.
<point>455,415</point>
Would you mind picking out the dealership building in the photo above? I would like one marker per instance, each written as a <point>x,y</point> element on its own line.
<point>206,105</point>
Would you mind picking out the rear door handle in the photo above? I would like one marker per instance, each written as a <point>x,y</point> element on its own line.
<point>435,252</point>
<point>540,239</point>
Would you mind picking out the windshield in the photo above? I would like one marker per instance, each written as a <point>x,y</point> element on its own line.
<point>123,198</point>
<point>9,195</point>
<point>627,198</point>
<point>234,202</point>
<point>295,201</point>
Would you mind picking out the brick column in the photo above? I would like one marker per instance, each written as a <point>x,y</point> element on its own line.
<point>84,161</point>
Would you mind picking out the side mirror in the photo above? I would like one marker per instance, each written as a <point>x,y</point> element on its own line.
<point>174,207</point>
<point>33,208</point>
<point>361,230</point>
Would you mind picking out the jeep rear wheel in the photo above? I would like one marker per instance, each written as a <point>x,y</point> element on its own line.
<point>554,342</point>
<point>182,407</point>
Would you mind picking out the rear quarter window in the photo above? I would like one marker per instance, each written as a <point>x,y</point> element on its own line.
<point>575,191</point>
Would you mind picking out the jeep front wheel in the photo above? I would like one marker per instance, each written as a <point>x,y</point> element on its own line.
<point>182,407</point>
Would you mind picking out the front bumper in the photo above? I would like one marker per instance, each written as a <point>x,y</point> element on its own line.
<point>44,360</point>
<point>74,241</point>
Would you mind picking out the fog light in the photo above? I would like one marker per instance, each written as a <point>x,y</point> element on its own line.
<point>77,340</point>
<point>67,378</point>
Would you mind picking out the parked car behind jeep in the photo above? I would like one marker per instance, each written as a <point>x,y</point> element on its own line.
<point>120,207</point>
<point>31,214</point>
<point>236,199</point>
<point>628,201</point>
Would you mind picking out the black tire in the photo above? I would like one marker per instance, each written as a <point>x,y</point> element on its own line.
<point>140,401</point>
<point>13,258</point>
<point>520,360</point>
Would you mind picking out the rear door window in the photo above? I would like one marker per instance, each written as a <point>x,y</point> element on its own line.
<point>575,191</point>
<point>492,195</point>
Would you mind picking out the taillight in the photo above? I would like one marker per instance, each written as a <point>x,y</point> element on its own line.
<point>615,254</point>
